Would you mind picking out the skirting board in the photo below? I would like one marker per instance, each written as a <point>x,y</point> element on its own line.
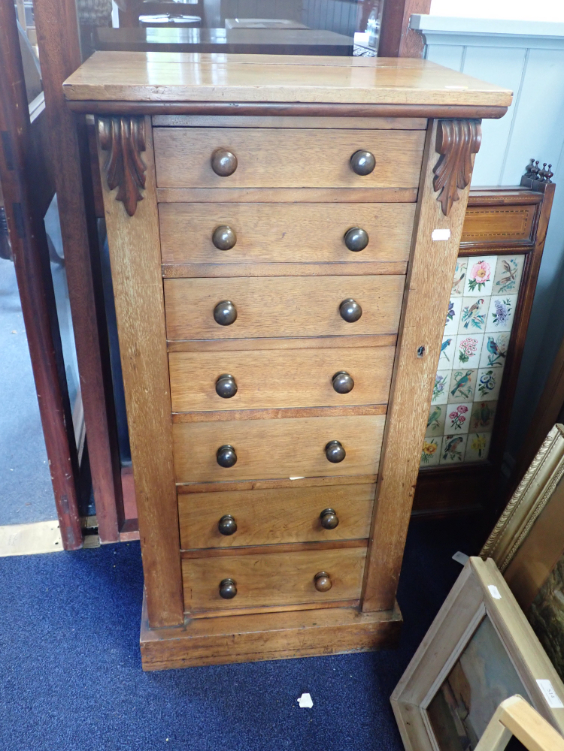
<point>271,636</point>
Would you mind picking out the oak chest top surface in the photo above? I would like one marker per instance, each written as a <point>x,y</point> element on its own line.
<point>214,77</point>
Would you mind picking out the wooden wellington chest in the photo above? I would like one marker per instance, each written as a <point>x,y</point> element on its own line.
<point>283,236</point>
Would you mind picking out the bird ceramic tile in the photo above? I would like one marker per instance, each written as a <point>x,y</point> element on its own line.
<point>461,386</point>
<point>501,313</point>
<point>431,452</point>
<point>467,351</point>
<point>482,417</point>
<point>459,280</point>
<point>479,276</point>
<point>436,420</point>
<point>446,358</point>
<point>473,315</point>
<point>452,449</point>
<point>440,389</point>
<point>477,447</point>
<point>458,418</point>
<point>494,350</point>
<point>508,272</point>
<point>488,384</point>
<point>453,316</point>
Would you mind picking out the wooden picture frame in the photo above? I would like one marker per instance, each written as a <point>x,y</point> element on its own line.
<point>527,544</point>
<point>481,641</point>
<point>515,718</point>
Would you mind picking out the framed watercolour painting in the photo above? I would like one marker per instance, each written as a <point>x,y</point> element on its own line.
<point>479,651</point>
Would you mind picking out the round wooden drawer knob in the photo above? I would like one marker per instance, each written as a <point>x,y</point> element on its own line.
<point>322,582</point>
<point>227,589</point>
<point>329,518</point>
<point>356,239</point>
<point>349,309</point>
<point>225,313</point>
<point>224,163</point>
<point>224,238</point>
<point>335,452</point>
<point>342,382</point>
<point>363,162</point>
<point>227,525</point>
<point>226,386</point>
<point>226,456</point>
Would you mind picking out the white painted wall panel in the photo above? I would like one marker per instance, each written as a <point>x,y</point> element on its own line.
<point>444,54</point>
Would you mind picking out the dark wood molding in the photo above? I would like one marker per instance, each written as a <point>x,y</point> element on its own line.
<point>297,109</point>
<point>457,142</point>
<point>124,139</point>
<point>25,206</point>
<point>396,38</point>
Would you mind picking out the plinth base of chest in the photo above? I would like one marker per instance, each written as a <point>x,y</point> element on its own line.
<point>271,636</point>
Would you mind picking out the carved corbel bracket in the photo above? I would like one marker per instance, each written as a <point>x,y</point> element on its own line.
<point>457,140</point>
<point>124,138</point>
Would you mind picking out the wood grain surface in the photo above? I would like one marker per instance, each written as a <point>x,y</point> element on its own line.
<point>284,378</point>
<point>211,77</point>
<point>272,579</point>
<point>281,515</point>
<point>277,448</point>
<point>287,195</point>
<point>287,158</point>
<point>252,345</point>
<point>282,121</point>
<point>136,265</point>
<point>285,233</point>
<point>282,306</point>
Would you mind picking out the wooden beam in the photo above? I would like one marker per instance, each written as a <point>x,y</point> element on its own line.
<point>59,51</point>
<point>31,260</point>
<point>396,38</point>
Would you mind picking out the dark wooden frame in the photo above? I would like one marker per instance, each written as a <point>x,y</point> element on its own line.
<point>474,485</point>
<point>396,38</point>
<point>27,186</point>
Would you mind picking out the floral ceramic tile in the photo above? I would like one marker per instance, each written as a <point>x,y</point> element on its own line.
<point>436,420</point>
<point>494,350</point>
<point>508,274</point>
<point>431,452</point>
<point>447,356</point>
<point>473,315</point>
<point>480,275</point>
<point>458,418</point>
<point>453,316</point>
<point>467,351</point>
<point>488,383</point>
<point>477,447</point>
<point>459,280</point>
<point>452,449</point>
<point>501,313</point>
<point>482,417</point>
<point>462,384</point>
<point>440,389</point>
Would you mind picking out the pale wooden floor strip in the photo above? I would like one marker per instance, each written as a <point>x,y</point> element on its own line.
<point>28,539</point>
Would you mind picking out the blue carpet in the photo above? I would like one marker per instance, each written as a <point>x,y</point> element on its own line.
<point>71,678</point>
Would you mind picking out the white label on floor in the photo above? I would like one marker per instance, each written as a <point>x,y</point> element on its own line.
<point>460,558</point>
<point>552,698</point>
<point>305,701</point>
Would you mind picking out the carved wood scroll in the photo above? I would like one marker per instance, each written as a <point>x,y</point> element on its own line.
<point>457,140</point>
<point>124,138</point>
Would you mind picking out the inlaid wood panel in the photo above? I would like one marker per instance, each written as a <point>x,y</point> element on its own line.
<point>291,158</point>
<point>280,515</point>
<point>284,378</point>
<point>277,448</point>
<point>272,579</point>
<point>498,224</point>
<point>284,233</point>
<point>282,307</point>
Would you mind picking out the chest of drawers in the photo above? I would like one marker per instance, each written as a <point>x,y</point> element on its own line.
<point>283,235</point>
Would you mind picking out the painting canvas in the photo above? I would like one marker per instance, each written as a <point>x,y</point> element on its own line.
<point>473,354</point>
<point>546,616</point>
<point>479,681</point>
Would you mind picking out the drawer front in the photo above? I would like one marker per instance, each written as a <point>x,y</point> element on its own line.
<point>282,448</point>
<point>287,158</point>
<point>281,515</point>
<point>286,378</point>
<point>282,306</point>
<point>284,233</point>
<point>272,579</point>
